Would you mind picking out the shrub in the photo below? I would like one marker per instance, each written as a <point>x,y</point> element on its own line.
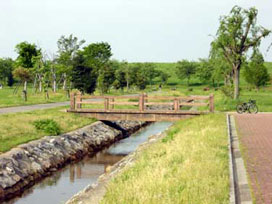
<point>49,126</point>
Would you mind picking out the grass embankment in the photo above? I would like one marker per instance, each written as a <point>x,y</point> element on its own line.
<point>18,128</point>
<point>190,165</point>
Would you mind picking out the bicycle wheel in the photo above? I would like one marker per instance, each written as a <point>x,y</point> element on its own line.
<point>240,109</point>
<point>253,109</point>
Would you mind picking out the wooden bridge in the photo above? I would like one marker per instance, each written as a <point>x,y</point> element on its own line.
<point>140,107</point>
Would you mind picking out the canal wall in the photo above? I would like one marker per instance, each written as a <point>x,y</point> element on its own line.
<point>21,167</point>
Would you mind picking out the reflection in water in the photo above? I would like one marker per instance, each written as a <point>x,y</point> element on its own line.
<point>66,182</point>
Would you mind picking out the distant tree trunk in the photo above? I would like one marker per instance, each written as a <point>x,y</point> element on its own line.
<point>54,83</point>
<point>64,81</point>
<point>40,83</point>
<point>127,84</point>
<point>236,81</point>
<point>35,81</point>
<point>25,86</point>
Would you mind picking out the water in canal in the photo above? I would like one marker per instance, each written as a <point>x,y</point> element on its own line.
<point>63,184</point>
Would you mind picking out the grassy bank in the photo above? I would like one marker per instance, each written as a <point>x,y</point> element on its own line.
<point>18,128</point>
<point>190,165</point>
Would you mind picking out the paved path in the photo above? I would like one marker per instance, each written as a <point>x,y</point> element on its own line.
<point>255,133</point>
<point>42,106</point>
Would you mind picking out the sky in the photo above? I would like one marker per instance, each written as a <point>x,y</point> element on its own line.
<point>137,30</point>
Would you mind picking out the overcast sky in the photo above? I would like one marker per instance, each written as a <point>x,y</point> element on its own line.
<point>137,30</point>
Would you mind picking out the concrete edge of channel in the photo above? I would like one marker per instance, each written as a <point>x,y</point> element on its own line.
<point>239,186</point>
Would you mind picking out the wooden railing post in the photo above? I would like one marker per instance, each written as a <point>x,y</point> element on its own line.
<point>146,98</point>
<point>72,101</point>
<point>141,102</point>
<point>112,105</point>
<point>211,103</point>
<point>176,104</point>
<point>78,100</point>
<point>106,103</point>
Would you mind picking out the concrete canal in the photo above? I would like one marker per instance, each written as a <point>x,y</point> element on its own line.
<point>63,184</point>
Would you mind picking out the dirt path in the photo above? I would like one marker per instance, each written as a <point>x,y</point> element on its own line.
<point>255,133</point>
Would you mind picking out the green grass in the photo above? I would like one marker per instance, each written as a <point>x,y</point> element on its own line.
<point>190,165</point>
<point>18,128</point>
<point>8,99</point>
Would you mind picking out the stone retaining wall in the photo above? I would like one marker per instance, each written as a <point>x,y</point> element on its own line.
<point>23,166</point>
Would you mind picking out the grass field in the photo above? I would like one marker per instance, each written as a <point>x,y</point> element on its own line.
<point>18,128</point>
<point>8,99</point>
<point>190,165</point>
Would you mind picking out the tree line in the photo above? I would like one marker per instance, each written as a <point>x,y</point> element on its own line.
<point>85,68</point>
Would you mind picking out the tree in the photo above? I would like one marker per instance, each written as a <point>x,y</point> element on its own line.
<point>237,33</point>
<point>150,72</point>
<point>205,71</point>
<point>96,55</point>
<point>23,74</point>
<point>67,49</point>
<point>186,69</point>
<point>120,75</point>
<point>141,79</point>
<point>84,79</point>
<point>38,70</point>
<point>255,72</point>
<point>222,69</point>
<point>6,68</point>
<point>26,52</point>
<point>105,78</point>
<point>164,77</point>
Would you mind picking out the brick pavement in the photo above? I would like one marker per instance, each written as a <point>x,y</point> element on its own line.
<point>255,132</point>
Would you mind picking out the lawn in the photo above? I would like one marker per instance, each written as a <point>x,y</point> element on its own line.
<point>189,165</point>
<point>8,99</point>
<point>18,128</point>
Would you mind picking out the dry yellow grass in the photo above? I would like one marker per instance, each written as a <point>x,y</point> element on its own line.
<point>190,165</point>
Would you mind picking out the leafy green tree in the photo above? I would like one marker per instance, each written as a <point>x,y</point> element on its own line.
<point>164,77</point>
<point>141,79</point>
<point>205,71</point>
<point>84,79</point>
<point>237,33</point>
<point>23,74</point>
<point>6,68</point>
<point>105,78</point>
<point>38,70</point>
<point>67,49</point>
<point>150,72</point>
<point>255,72</point>
<point>96,55</point>
<point>121,75</point>
<point>26,52</point>
<point>222,69</point>
<point>186,69</point>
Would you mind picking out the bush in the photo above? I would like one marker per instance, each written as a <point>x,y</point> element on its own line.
<point>49,126</point>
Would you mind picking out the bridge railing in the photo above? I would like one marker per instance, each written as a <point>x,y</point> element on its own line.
<point>140,102</point>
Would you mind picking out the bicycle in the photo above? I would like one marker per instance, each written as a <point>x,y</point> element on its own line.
<point>249,107</point>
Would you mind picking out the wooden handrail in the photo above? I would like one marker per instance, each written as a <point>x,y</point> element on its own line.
<point>143,101</point>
